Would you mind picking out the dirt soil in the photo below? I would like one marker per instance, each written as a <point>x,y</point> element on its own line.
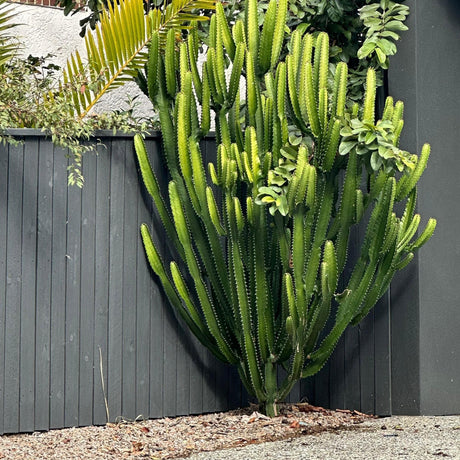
<point>176,437</point>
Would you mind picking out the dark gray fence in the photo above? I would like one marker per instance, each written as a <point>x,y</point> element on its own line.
<point>82,322</point>
<point>77,303</point>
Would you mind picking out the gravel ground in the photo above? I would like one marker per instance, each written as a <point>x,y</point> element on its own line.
<point>301,432</point>
<point>416,438</point>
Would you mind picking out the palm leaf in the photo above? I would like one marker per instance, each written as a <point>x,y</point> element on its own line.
<point>8,46</point>
<point>117,48</point>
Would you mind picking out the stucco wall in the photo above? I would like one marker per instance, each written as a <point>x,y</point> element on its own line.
<point>45,30</point>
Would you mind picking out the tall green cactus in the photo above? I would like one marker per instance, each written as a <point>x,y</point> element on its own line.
<point>263,230</point>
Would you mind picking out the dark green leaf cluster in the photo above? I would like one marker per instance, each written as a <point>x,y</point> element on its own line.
<point>362,32</point>
<point>96,8</point>
<point>383,22</point>
<point>33,94</point>
<point>350,24</point>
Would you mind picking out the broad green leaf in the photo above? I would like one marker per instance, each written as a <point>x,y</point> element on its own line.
<point>346,147</point>
<point>396,26</point>
<point>381,55</point>
<point>366,49</point>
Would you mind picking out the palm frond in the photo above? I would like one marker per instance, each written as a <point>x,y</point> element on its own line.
<point>8,46</point>
<point>116,50</point>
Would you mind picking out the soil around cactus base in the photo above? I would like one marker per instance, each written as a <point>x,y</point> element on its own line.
<point>169,438</point>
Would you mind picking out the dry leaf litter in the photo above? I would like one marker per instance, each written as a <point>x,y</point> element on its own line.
<point>176,437</point>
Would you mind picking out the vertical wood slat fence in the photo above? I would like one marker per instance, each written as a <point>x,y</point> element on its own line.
<point>79,306</point>
<point>77,297</point>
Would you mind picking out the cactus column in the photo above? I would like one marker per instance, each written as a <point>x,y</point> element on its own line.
<point>262,232</point>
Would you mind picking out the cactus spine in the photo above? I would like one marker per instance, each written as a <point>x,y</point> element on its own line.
<point>267,256</point>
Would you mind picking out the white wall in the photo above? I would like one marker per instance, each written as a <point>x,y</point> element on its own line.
<point>45,30</point>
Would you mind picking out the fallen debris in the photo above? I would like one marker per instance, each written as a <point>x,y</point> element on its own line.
<point>169,438</point>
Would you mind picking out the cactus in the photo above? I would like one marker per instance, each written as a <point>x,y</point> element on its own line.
<point>263,230</point>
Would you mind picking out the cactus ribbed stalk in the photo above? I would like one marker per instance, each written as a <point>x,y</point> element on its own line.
<point>263,231</point>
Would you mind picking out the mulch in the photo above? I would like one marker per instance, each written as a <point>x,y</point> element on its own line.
<point>169,438</point>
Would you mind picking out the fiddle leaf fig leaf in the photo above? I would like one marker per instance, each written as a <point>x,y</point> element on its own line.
<point>346,147</point>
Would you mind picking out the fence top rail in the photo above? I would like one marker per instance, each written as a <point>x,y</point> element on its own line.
<point>32,132</point>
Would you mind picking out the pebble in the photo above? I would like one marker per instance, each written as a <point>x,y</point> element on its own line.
<point>411,438</point>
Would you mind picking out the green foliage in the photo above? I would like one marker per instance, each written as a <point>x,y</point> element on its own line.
<point>262,232</point>
<point>33,95</point>
<point>383,22</point>
<point>377,144</point>
<point>348,23</point>
<point>30,97</point>
<point>96,7</point>
<point>363,33</point>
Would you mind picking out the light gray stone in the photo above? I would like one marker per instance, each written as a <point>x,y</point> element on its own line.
<point>416,438</point>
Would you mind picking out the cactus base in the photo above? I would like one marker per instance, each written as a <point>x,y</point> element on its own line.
<point>270,409</point>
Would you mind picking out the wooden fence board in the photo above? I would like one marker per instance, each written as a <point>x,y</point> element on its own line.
<point>13,290</point>
<point>101,284</point>
<point>43,303</point>
<point>237,396</point>
<point>129,284</point>
<point>87,288</point>
<point>58,290</point>
<point>222,385</point>
<point>28,291</point>
<point>156,350</point>
<point>336,384</point>
<point>184,356</point>
<point>367,363</point>
<point>351,368</point>
<point>115,326</point>
<point>144,308</point>
<point>3,248</point>
<point>73,307</point>
<point>196,381</point>
<point>170,330</point>
<point>209,382</point>
<point>382,357</point>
